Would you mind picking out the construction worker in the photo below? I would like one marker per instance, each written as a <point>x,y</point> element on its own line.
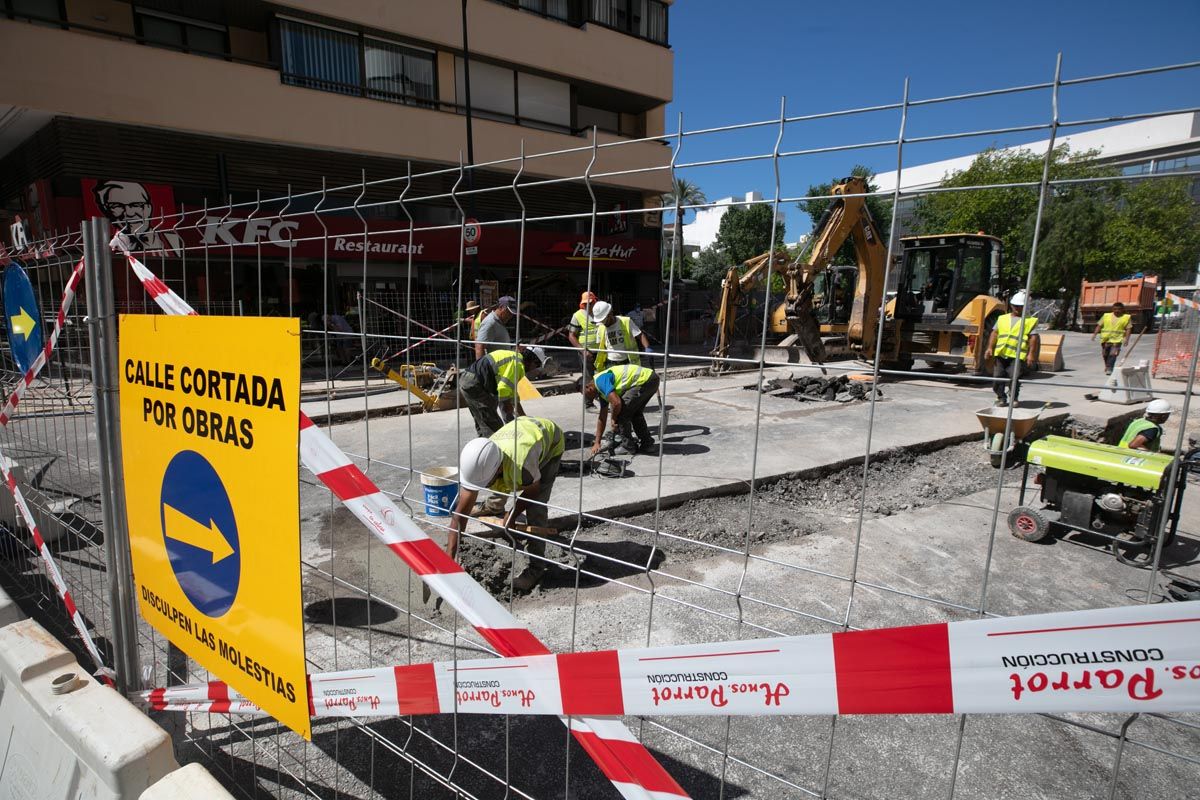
<point>585,336</point>
<point>625,388</point>
<point>471,317</point>
<point>1113,330</point>
<point>1009,345</point>
<point>491,383</point>
<point>1146,432</point>
<point>491,333</point>
<point>618,337</point>
<point>524,457</point>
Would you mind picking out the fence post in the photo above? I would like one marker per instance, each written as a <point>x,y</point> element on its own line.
<point>102,337</point>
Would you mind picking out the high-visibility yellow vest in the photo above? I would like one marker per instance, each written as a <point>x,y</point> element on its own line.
<point>1113,328</point>
<point>510,368</point>
<point>1135,428</point>
<point>515,440</point>
<point>589,332</point>
<point>628,344</point>
<point>1011,341</point>
<point>627,376</point>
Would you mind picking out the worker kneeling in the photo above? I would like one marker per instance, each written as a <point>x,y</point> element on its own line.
<point>1145,433</point>
<point>624,389</point>
<point>491,383</point>
<point>523,456</point>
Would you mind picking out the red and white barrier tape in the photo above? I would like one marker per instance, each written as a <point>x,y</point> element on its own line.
<point>6,414</point>
<point>1135,658</point>
<point>623,760</point>
<point>1184,301</point>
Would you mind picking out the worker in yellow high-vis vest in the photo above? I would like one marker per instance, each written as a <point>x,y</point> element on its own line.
<point>1113,329</point>
<point>625,389</point>
<point>1012,348</point>
<point>619,337</point>
<point>585,336</point>
<point>520,459</point>
<point>489,386</point>
<point>1146,432</point>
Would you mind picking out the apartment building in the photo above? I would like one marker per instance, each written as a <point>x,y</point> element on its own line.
<point>172,107</point>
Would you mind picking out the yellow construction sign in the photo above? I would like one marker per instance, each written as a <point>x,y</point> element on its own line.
<point>210,434</point>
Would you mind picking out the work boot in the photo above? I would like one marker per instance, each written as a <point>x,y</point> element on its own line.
<point>1002,403</point>
<point>530,577</point>
<point>648,447</point>
<point>625,448</point>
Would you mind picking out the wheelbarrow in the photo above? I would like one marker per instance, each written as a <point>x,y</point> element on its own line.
<point>993,420</point>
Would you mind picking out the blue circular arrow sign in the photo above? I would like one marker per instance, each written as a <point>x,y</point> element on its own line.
<point>200,533</point>
<point>21,317</point>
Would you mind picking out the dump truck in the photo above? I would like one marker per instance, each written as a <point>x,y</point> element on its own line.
<point>1138,294</point>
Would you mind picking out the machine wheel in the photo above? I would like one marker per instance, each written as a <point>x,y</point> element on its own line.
<point>996,450</point>
<point>1028,523</point>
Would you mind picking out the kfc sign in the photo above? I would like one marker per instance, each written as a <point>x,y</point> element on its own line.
<point>224,230</point>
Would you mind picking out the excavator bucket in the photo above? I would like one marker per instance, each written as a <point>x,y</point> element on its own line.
<point>808,333</point>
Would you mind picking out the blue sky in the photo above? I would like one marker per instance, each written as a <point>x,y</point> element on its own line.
<point>733,61</point>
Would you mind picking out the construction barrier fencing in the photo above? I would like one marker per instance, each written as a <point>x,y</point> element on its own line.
<point>1174,344</point>
<point>625,582</point>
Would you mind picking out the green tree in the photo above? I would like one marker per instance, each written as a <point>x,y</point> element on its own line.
<point>1156,229</point>
<point>1006,212</point>
<point>745,232</point>
<point>880,208</point>
<point>686,192</point>
<point>710,267</point>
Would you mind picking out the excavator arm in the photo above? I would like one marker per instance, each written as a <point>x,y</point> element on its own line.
<point>847,218</point>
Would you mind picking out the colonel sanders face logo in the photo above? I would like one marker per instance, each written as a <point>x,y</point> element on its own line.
<point>128,205</point>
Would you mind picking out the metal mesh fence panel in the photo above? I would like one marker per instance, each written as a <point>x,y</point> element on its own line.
<point>710,538</point>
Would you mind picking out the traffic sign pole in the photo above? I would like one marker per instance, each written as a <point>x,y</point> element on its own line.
<point>102,334</point>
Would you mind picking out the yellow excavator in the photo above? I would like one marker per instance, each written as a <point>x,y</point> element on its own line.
<point>943,310</point>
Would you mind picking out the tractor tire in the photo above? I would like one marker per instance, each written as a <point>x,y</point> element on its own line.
<point>1028,524</point>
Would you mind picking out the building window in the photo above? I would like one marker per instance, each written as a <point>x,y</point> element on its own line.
<point>398,74</point>
<point>554,9</point>
<point>542,101</point>
<point>181,33</point>
<point>1136,169</point>
<point>646,19</point>
<point>503,94</point>
<point>344,62</point>
<point>604,120</point>
<point>1182,164</point>
<point>35,10</point>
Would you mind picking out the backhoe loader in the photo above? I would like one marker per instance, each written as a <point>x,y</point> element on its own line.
<point>944,307</point>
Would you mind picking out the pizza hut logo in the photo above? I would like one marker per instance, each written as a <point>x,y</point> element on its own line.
<point>580,251</point>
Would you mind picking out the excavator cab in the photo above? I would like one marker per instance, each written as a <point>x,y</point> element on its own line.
<point>833,295</point>
<point>941,275</point>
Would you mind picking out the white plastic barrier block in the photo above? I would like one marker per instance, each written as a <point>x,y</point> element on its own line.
<point>192,782</point>
<point>1128,385</point>
<point>10,612</point>
<point>86,743</point>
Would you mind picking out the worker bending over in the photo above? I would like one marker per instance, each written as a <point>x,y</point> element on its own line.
<point>1113,330</point>
<point>625,389</point>
<point>524,457</point>
<point>585,336</point>
<point>491,383</point>
<point>1009,345</point>
<point>1146,432</point>
<point>618,337</point>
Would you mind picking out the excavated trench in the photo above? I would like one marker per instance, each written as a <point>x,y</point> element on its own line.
<point>784,510</point>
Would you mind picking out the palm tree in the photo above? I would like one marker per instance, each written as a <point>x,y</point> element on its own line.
<point>685,193</point>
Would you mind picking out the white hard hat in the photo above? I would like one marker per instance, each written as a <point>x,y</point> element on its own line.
<point>540,353</point>
<point>479,463</point>
<point>1017,299</point>
<point>1158,407</point>
<point>601,310</point>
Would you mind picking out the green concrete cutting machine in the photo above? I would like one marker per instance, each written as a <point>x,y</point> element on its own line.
<point>1112,492</point>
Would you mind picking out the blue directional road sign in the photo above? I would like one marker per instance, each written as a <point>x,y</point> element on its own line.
<point>200,532</point>
<point>21,316</point>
